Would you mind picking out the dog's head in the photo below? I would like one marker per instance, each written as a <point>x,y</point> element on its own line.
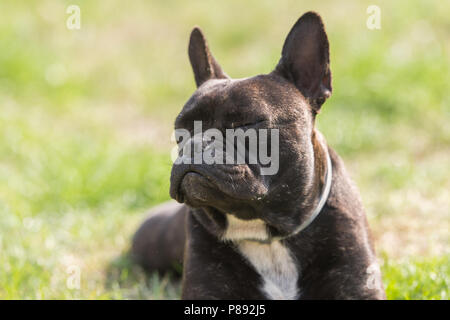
<point>286,101</point>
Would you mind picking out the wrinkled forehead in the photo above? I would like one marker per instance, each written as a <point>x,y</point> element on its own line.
<point>249,97</point>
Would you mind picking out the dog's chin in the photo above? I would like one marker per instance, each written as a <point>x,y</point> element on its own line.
<point>196,190</point>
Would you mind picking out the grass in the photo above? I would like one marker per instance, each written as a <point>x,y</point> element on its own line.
<point>86,117</point>
<point>417,279</point>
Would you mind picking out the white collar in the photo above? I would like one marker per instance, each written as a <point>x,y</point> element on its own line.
<point>322,200</point>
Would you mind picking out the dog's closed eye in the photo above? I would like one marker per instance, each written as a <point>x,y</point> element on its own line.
<point>245,125</point>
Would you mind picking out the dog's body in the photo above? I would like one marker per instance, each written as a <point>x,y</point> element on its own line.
<point>298,234</point>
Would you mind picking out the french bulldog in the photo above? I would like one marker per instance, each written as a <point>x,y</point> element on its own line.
<point>300,233</point>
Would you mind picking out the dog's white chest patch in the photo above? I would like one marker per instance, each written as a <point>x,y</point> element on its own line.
<point>273,261</point>
<point>238,229</point>
<point>275,265</point>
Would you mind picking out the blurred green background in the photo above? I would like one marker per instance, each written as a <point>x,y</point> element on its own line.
<point>86,117</point>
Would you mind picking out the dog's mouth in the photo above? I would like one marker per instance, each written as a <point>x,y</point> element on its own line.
<point>221,186</point>
<point>186,183</point>
<point>182,190</point>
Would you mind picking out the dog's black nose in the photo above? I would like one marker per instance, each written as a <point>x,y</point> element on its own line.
<point>193,149</point>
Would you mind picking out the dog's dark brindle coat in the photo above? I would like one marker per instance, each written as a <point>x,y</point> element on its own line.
<point>333,258</point>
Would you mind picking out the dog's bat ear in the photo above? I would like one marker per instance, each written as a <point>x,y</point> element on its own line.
<point>203,64</point>
<point>305,59</point>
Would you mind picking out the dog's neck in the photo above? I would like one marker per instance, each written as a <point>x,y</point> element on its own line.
<point>324,171</point>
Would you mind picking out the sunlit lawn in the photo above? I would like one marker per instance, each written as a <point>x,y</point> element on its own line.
<point>86,117</point>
